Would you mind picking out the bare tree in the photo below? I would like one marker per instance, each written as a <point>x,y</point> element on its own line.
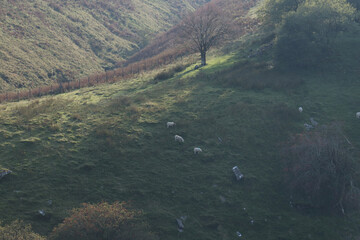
<point>205,28</point>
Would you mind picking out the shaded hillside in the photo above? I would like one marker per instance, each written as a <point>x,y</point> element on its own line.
<point>53,40</point>
<point>172,43</point>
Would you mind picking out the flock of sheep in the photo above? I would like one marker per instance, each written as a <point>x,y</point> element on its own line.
<point>198,150</point>
<point>235,169</point>
<point>181,139</point>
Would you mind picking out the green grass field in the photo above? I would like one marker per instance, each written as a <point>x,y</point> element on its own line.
<point>110,143</point>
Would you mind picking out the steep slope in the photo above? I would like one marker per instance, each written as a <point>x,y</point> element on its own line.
<point>110,143</point>
<point>53,40</point>
<point>171,42</point>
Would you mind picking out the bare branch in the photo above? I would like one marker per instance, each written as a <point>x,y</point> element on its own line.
<point>205,28</point>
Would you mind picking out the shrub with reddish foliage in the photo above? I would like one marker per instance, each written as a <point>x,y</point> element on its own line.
<point>103,221</point>
<point>18,230</point>
<point>320,168</point>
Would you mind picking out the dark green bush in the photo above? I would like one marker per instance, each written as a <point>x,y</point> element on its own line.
<point>305,37</point>
<point>307,29</point>
<point>272,12</point>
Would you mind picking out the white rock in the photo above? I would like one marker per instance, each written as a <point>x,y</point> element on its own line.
<point>300,109</point>
<point>358,115</point>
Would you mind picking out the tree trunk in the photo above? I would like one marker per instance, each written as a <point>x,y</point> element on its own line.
<point>203,58</point>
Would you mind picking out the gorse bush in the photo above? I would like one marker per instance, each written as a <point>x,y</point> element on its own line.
<point>103,221</point>
<point>17,230</point>
<point>320,167</point>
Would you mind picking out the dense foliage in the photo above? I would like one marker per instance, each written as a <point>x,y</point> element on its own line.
<point>17,230</point>
<point>306,29</point>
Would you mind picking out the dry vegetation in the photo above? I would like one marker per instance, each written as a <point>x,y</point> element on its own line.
<point>46,41</point>
<point>103,221</point>
<point>18,230</point>
<point>166,42</point>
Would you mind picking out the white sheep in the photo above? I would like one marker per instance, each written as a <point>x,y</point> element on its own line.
<point>170,124</point>
<point>197,150</point>
<point>179,139</point>
<point>300,109</point>
<point>358,115</point>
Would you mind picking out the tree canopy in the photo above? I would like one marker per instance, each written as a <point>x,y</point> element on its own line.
<point>205,28</point>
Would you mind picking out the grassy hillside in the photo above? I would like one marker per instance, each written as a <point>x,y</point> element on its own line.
<point>110,143</point>
<point>52,40</point>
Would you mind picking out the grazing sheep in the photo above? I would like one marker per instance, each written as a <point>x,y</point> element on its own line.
<point>170,124</point>
<point>300,109</point>
<point>179,139</point>
<point>197,150</point>
<point>358,115</point>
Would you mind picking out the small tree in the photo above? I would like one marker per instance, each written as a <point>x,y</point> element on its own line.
<point>320,167</point>
<point>103,221</point>
<point>205,28</point>
<point>17,230</point>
